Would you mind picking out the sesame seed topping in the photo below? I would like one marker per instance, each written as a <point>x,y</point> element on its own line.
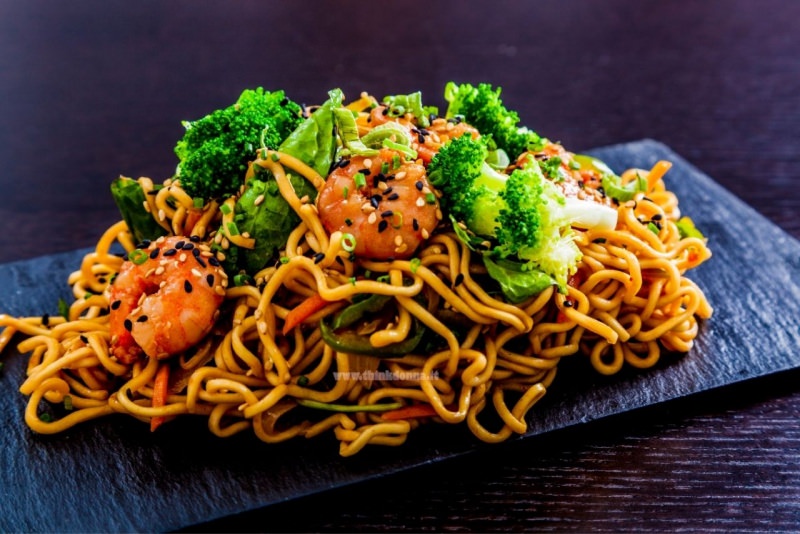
<point>141,319</point>
<point>372,218</point>
<point>197,273</point>
<point>160,270</point>
<point>259,199</point>
<point>188,246</point>
<point>194,238</point>
<point>425,234</point>
<point>187,286</point>
<point>420,202</point>
<point>459,280</point>
<point>179,244</point>
<point>318,257</point>
<point>398,240</point>
<point>116,304</point>
<point>170,252</point>
<point>127,324</point>
<point>400,175</point>
<point>419,185</point>
<point>415,224</point>
<point>219,290</point>
<point>387,213</point>
<point>182,258</point>
<point>393,196</point>
<point>210,280</point>
<point>383,225</point>
<point>367,163</point>
<point>154,253</point>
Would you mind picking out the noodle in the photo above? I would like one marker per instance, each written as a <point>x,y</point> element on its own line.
<point>628,303</point>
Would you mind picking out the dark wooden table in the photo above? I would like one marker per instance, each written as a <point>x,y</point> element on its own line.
<point>90,90</point>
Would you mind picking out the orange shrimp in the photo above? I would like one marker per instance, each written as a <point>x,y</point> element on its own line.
<point>389,213</point>
<point>166,303</point>
<point>426,141</point>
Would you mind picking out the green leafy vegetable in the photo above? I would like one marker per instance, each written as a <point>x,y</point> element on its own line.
<point>516,283</point>
<point>399,105</point>
<point>612,184</point>
<point>130,199</point>
<point>686,228</point>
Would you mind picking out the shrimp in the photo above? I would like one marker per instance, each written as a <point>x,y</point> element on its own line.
<point>165,304</point>
<point>426,141</point>
<point>390,213</point>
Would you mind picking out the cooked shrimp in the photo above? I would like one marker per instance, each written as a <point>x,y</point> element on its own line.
<point>426,141</point>
<point>389,213</point>
<point>166,303</point>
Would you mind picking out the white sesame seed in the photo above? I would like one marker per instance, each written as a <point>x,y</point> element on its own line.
<point>372,218</point>
<point>197,273</point>
<point>219,290</point>
<point>161,215</point>
<point>420,202</point>
<point>259,199</point>
<point>367,163</point>
<point>160,270</point>
<point>398,240</point>
<point>262,327</point>
<point>425,234</point>
<point>400,175</point>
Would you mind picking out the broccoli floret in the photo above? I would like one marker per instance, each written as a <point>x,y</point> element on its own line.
<point>522,213</point>
<point>216,149</point>
<point>482,108</point>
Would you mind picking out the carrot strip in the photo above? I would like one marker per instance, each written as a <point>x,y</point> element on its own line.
<point>408,412</point>
<point>300,313</point>
<point>160,392</point>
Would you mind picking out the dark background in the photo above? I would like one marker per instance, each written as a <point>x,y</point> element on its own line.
<point>91,90</point>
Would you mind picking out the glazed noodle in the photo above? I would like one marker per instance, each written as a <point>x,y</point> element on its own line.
<point>628,302</point>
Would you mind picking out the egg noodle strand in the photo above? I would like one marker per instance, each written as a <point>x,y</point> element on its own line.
<point>627,304</point>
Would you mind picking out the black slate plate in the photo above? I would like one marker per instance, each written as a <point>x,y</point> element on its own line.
<point>114,475</point>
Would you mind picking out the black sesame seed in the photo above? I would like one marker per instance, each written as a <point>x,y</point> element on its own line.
<point>375,200</point>
<point>459,280</point>
<point>141,319</point>
<point>116,304</point>
<point>188,246</point>
<point>83,338</point>
<point>387,213</point>
<point>179,245</point>
<point>415,224</point>
<point>154,253</point>
<point>419,185</point>
<point>194,238</point>
<point>170,252</point>
<point>45,319</point>
<point>421,139</point>
<point>200,261</point>
<point>393,196</point>
<point>365,171</point>
<point>187,286</point>
<point>657,217</point>
<point>343,163</point>
<point>385,111</point>
<point>383,225</point>
<point>195,252</point>
<point>127,324</point>
<point>318,257</point>
<point>210,280</point>
<point>348,222</point>
<point>144,244</point>
<point>388,191</point>
<point>213,261</point>
<point>568,304</point>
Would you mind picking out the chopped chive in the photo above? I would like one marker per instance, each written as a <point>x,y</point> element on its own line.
<point>198,202</point>
<point>233,229</point>
<point>275,157</point>
<point>346,192</point>
<point>396,162</point>
<point>415,263</point>
<point>284,260</point>
<point>68,403</point>
<point>63,309</point>
<point>225,209</point>
<point>352,280</point>
<point>45,417</point>
<point>138,256</point>
<point>360,179</point>
<point>384,168</point>
<point>652,227</point>
<point>348,242</point>
<point>302,380</point>
<point>430,198</point>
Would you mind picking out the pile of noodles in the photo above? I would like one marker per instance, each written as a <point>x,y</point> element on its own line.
<point>628,303</point>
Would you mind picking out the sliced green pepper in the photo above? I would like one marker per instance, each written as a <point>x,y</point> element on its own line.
<point>354,312</point>
<point>351,342</point>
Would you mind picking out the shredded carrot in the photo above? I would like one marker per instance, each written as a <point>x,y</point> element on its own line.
<point>303,311</point>
<point>408,412</point>
<point>160,392</point>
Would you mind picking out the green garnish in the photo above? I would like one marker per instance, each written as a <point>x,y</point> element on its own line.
<point>384,168</point>
<point>233,229</point>
<point>686,228</point>
<point>348,242</point>
<point>68,403</point>
<point>225,209</point>
<point>198,202</point>
<point>138,256</point>
<point>284,260</point>
<point>63,309</point>
<point>360,180</point>
<point>415,263</point>
<point>430,198</point>
<point>550,168</point>
<point>242,279</point>
<point>652,227</point>
<point>346,192</point>
<point>396,162</point>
